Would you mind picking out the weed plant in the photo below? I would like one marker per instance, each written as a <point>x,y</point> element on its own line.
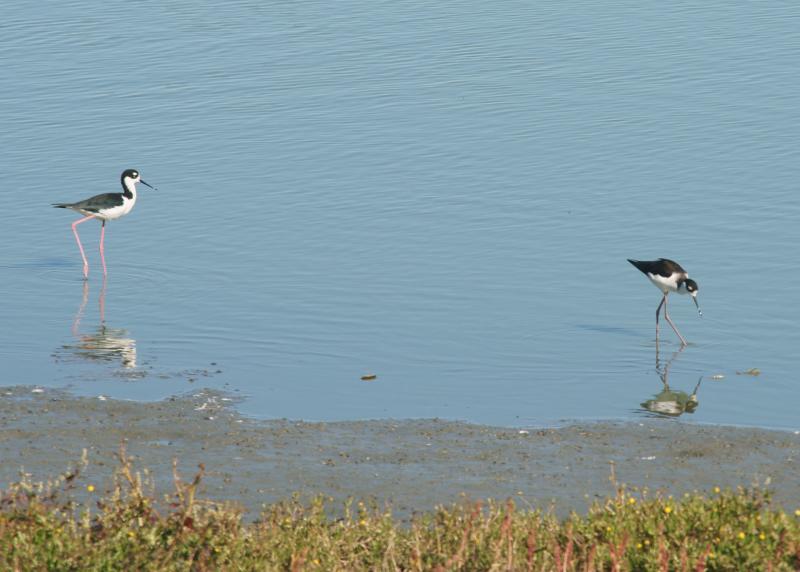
<point>130,528</point>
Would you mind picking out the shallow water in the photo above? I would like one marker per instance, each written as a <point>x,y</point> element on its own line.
<point>443,195</point>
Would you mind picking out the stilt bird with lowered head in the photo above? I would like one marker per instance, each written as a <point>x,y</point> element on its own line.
<point>668,276</point>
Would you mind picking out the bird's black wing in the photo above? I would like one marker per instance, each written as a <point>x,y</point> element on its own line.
<point>96,203</point>
<point>663,267</point>
<point>670,267</point>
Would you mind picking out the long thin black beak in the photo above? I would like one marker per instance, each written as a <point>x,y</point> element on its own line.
<point>148,185</point>
<point>699,311</point>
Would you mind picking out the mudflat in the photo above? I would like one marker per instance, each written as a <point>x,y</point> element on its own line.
<point>411,464</point>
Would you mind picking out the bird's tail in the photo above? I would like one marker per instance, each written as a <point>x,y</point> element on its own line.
<point>638,264</point>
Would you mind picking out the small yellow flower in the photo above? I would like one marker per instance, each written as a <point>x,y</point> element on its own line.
<point>362,522</point>
<point>667,509</point>
<point>762,536</point>
<point>741,535</point>
<point>716,490</point>
<point>797,512</point>
<point>90,488</point>
<point>712,555</point>
<point>639,545</point>
<point>647,542</point>
<point>631,500</point>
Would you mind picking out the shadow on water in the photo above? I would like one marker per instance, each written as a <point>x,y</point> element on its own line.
<point>603,329</point>
<point>669,402</point>
<point>103,345</point>
<point>48,262</point>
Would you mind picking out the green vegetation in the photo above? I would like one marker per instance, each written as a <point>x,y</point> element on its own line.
<point>130,529</point>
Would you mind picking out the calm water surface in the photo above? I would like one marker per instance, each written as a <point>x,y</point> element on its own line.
<point>442,194</point>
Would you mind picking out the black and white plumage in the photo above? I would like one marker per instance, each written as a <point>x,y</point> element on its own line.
<point>105,207</point>
<point>668,276</point>
<point>110,206</point>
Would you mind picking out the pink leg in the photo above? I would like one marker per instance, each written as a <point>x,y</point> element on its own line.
<point>664,299</point>
<point>80,246</point>
<point>102,251</point>
<point>683,340</point>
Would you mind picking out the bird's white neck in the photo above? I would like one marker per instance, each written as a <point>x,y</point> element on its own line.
<point>130,188</point>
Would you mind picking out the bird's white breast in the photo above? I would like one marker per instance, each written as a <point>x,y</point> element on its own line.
<point>119,211</point>
<point>665,283</point>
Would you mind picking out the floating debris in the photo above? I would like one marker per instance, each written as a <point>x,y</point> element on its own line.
<point>102,397</point>
<point>754,371</point>
<point>37,390</point>
<point>650,458</point>
<point>524,432</point>
<point>718,376</point>
<point>369,377</point>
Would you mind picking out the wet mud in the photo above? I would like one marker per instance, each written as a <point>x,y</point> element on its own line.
<point>411,464</point>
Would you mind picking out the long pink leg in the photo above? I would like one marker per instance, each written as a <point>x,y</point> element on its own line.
<point>102,251</point>
<point>80,246</point>
<point>663,300</point>
<point>683,340</point>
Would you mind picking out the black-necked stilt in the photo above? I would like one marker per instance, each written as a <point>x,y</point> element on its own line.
<point>668,276</point>
<point>105,207</point>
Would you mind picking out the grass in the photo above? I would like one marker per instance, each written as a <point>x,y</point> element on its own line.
<point>129,528</point>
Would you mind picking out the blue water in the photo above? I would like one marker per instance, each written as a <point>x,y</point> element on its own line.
<point>442,194</point>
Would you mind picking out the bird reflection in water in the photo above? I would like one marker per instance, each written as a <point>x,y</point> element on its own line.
<point>669,402</point>
<point>104,344</point>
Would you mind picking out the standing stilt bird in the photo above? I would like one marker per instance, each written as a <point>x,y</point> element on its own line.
<point>105,207</point>
<point>668,276</point>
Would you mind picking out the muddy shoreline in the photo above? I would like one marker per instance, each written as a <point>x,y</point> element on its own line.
<point>412,464</point>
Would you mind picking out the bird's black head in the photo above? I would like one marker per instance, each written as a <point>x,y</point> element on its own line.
<point>131,174</point>
<point>692,288</point>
